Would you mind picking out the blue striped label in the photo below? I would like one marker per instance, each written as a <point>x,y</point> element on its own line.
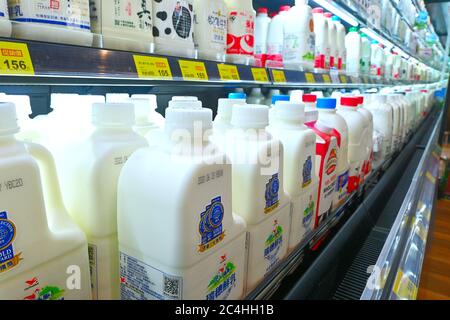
<point>59,23</point>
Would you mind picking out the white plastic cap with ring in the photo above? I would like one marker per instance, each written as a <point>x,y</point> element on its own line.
<point>225,105</point>
<point>143,107</point>
<point>287,111</point>
<point>185,112</point>
<point>250,116</point>
<point>8,119</point>
<point>296,95</point>
<point>116,97</point>
<point>113,115</point>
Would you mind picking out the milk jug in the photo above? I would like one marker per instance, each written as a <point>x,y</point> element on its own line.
<point>241,29</point>
<point>256,96</point>
<point>96,164</point>
<point>376,59</point>
<point>321,34</point>
<point>357,135</point>
<point>5,24</point>
<point>340,42</point>
<point>299,40</point>
<point>173,27</point>
<point>147,119</point>
<point>210,31</point>
<point>262,23</point>
<point>123,24</point>
<point>329,117</point>
<point>64,21</point>
<point>300,181</point>
<point>389,57</point>
<point>222,122</point>
<point>188,245</point>
<point>275,38</point>
<point>396,122</point>
<point>396,66</point>
<point>258,196</point>
<point>368,118</point>
<point>365,54</point>
<point>310,101</point>
<point>43,254</point>
<point>332,38</point>
<point>353,49</point>
<point>296,95</point>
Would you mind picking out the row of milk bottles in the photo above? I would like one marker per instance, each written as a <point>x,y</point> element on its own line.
<point>272,174</point>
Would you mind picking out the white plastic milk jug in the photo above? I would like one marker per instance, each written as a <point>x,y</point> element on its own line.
<point>321,41</point>
<point>366,52</point>
<point>5,24</point>
<point>276,38</point>
<point>262,23</point>
<point>147,120</point>
<point>222,121</point>
<point>332,51</point>
<point>353,49</point>
<point>340,42</point>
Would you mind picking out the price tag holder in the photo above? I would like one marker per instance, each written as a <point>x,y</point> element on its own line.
<point>404,287</point>
<point>326,78</point>
<point>430,177</point>
<point>15,59</point>
<point>193,70</point>
<point>279,76</point>
<point>228,72</point>
<point>310,77</point>
<point>152,67</point>
<point>343,79</point>
<point>260,75</point>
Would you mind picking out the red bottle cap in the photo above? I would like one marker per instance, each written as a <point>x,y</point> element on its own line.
<point>317,10</point>
<point>350,101</point>
<point>263,10</point>
<point>285,8</point>
<point>309,98</point>
<point>328,14</point>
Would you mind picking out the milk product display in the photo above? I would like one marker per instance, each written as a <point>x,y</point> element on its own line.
<point>357,135</point>
<point>272,92</point>
<point>173,27</point>
<point>200,247</point>
<point>397,122</point>
<point>376,59</point>
<point>332,50</point>
<point>329,117</point>
<point>256,96</point>
<point>43,254</point>
<point>275,38</point>
<point>396,66</point>
<point>98,161</point>
<point>300,181</point>
<point>299,39</point>
<point>241,30</point>
<point>262,23</point>
<point>368,118</point>
<point>64,21</point>
<point>365,54</point>
<point>389,61</point>
<point>5,24</point>
<point>258,196</point>
<point>210,29</point>
<point>340,43</point>
<point>321,41</point>
<point>353,49</point>
<point>310,101</point>
<point>123,24</point>
<point>222,122</point>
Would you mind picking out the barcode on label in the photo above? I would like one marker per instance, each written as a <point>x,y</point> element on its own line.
<point>172,287</point>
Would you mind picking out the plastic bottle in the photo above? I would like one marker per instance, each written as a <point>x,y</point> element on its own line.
<point>275,38</point>
<point>257,193</point>
<point>353,49</point>
<point>296,96</point>
<point>5,24</point>
<point>299,39</point>
<point>173,27</point>
<point>262,23</point>
<point>147,118</point>
<point>241,28</point>
<point>40,245</point>
<point>62,21</point>
<point>199,244</point>
<point>340,43</point>
<point>310,101</point>
<point>329,117</point>
<point>272,92</point>
<point>256,96</point>
<point>300,182</point>
<point>332,50</point>
<point>222,122</point>
<point>376,58</point>
<point>357,134</point>
<point>396,66</point>
<point>321,34</point>
<point>123,25</point>
<point>95,162</point>
<point>210,29</point>
<point>116,97</point>
<point>388,63</point>
<point>365,54</point>
<point>368,118</point>
<point>396,122</point>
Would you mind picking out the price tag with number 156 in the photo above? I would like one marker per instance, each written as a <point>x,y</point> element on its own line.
<point>15,59</point>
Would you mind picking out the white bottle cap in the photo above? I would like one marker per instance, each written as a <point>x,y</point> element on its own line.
<point>225,106</point>
<point>117,97</point>
<point>113,114</point>
<point>289,111</point>
<point>253,116</point>
<point>142,109</point>
<point>256,91</point>
<point>296,95</point>
<point>151,98</point>
<point>185,113</point>
<point>180,102</point>
<point>8,119</point>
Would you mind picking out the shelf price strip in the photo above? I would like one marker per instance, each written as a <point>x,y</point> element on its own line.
<point>193,70</point>
<point>404,287</point>
<point>279,76</point>
<point>310,78</point>
<point>343,79</point>
<point>15,59</point>
<point>153,67</point>
<point>260,75</point>
<point>326,78</point>
<point>228,72</point>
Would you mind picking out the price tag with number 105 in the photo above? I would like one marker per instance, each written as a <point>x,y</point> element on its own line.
<point>15,59</point>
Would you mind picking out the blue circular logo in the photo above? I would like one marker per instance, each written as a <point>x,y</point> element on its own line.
<point>7,233</point>
<point>215,214</point>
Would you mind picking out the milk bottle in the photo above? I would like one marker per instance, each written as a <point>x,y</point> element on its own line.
<point>199,245</point>
<point>173,27</point>
<point>296,95</point>
<point>241,29</point>
<point>396,122</point>
<point>365,54</point>
<point>257,162</point>
<point>116,97</point>
<point>396,66</point>
<point>310,101</point>
<point>210,29</point>
<point>388,64</point>
<point>275,38</point>
<point>356,139</point>
<point>64,21</point>
<point>299,40</point>
<point>43,255</point>
<point>332,41</point>
<point>5,24</point>
<point>272,92</point>
<point>147,119</point>
<point>329,117</point>
<point>222,122</point>
<point>300,180</point>
<point>256,96</point>
<point>376,59</point>
<point>340,42</point>
<point>321,34</point>
<point>368,118</point>
<point>353,49</point>
<point>262,23</point>
<point>96,164</point>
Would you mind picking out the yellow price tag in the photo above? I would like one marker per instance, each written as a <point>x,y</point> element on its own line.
<point>228,72</point>
<point>310,78</point>
<point>153,67</point>
<point>15,59</point>
<point>326,78</point>
<point>260,75</point>
<point>430,177</point>
<point>343,79</point>
<point>279,76</point>
<point>193,70</point>
<point>404,288</point>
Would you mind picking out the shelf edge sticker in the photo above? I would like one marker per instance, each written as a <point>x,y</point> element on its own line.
<point>326,78</point>
<point>228,72</point>
<point>260,75</point>
<point>149,67</point>
<point>430,177</point>
<point>404,287</point>
<point>278,76</point>
<point>310,77</point>
<point>15,59</point>
<point>343,79</point>
<point>193,70</point>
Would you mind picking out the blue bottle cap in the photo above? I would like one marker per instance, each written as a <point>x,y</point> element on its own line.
<point>326,103</point>
<point>335,18</point>
<point>237,95</point>
<point>280,97</point>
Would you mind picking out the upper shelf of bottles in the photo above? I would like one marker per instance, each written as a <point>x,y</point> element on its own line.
<point>29,62</point>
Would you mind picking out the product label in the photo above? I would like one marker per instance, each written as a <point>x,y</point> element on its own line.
<point>307,172</point>
<point>273,246</point>
<point>260,75</point>
<point>140,281</point>
<point>68,13</point>
<point>341,187</point>
<point>279,76</point>
<point>223,282</point>
<point>152,67</point>
<point>3,9</point>
<point>8,232</point>
<point>173,19</point>
<point>35,291</point>
<point>271,196</point>
<point>240,38</point>
<point>217,21</point>
<point>308,214</point>
<point>228,72</point>
<point>210,226</point>
<point>93,270</point>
